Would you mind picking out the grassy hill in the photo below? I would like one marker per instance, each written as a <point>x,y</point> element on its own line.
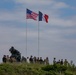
<point>36,69</point>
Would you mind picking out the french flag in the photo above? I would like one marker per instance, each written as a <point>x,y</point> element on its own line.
<point>43,17</point>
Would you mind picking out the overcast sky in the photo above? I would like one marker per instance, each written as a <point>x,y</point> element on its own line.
<point>57,37</point>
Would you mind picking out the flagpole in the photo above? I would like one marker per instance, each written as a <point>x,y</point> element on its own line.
<point>38,39</point>
<point>26,32</point>
<point>31,15</point>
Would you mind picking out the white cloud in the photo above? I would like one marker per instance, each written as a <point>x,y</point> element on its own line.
<point>12,16</point>
<point>62,22</point>
<point>59,5</point>
<point>34,2</point>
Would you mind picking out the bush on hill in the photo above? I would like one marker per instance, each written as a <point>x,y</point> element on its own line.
<point>34,69</point>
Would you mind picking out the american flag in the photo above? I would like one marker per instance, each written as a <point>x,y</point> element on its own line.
<point>31,15</point>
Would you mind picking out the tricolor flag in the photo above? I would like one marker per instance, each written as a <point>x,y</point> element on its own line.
<point>43,17</point>
<point>31,15</point>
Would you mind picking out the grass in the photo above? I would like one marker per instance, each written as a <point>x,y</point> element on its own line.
<point>35,69</point>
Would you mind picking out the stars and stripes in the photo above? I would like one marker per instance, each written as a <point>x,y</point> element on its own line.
<point>31,15</point>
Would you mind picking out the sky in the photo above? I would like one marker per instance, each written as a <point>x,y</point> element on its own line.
<point>57,38</point>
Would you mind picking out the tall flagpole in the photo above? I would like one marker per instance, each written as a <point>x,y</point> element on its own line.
<point>26,32</point>
<point>38,38</point>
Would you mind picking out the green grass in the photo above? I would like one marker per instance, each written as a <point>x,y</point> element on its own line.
<point>35,69</point>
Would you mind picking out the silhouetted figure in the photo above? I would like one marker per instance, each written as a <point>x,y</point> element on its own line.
<point>71,62</point>
<point>66,62</point>
<point>31,59</point>
<point>61,62</point>
<point>7,58</point>
<point>41,60</point>
<point>58,62</point>
<point>23,59</point>
<point>54,61</point>
<point>37,59</point>
<point>34,59</point>
<point>28,60</point>
<point>4,59</point>
<point>47,60</point>
<point>12,59</point>
<point>15,53</point>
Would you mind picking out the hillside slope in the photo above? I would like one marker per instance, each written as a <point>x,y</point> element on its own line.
<point>35,69</point>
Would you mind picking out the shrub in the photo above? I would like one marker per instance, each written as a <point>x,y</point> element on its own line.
<point>48,68</point>
<point>68,73</point>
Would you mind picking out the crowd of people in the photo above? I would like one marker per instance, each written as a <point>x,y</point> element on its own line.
<point>60,61</point>
<point>16,57</point>
<point>31,59</point>
<point>35,59</point>
<point>63,62</point>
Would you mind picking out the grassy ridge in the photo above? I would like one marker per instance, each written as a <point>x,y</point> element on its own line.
<point>35,69</point>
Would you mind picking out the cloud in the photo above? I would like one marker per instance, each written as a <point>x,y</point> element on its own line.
<point>12,16</point>
<point>20,16</point>
<point>34,2</point>
<point>58,5</point>
<point>62,22</point>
